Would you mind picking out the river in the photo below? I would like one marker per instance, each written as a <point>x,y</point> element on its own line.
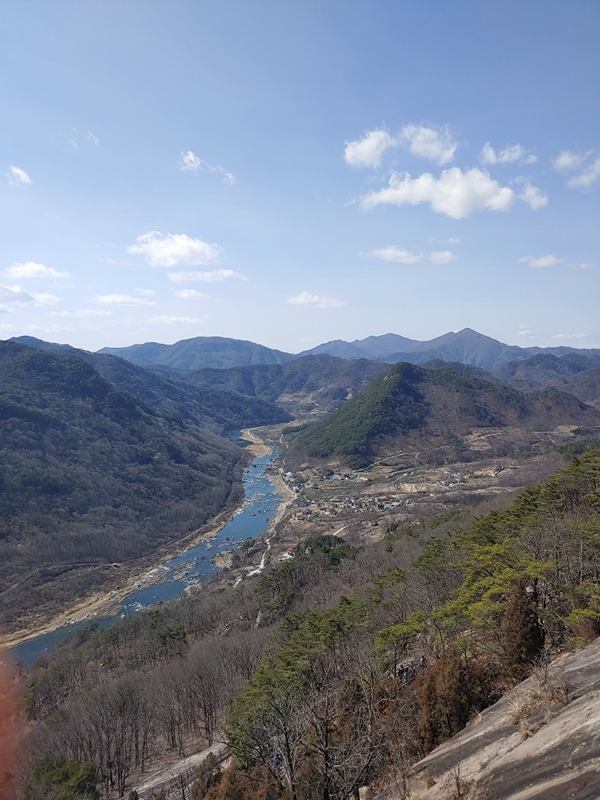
<point>171,578</point>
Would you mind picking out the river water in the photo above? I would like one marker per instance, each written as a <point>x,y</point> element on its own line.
<point>171,578</point>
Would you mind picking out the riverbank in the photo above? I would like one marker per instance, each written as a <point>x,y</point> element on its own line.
<point>107,602</point>
<point>224,560</point>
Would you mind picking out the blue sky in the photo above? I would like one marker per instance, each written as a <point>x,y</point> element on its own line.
<point>295,171</point>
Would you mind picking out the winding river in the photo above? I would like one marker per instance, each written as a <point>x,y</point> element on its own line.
<point>171,578</point>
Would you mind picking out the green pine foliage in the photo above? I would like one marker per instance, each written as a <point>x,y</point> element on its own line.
<point>392,403</point>
<point>61,779</point>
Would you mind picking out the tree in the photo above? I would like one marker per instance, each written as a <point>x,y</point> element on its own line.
<point>59,779</point>
<point>449,693</point>
<point>522,634</point>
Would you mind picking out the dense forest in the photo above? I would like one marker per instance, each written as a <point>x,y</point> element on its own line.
<point>337,668</point>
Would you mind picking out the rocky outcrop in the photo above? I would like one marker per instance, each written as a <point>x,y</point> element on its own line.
<point>541,740</point>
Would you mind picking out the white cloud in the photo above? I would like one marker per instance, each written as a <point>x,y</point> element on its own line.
<point>15,294</point>
<point>399,256</point>
<point>455,193</point>
<point>395,254</point>
<point>586,165</point>
<point>166,320</point>
<point>190,162</point>
<point>581,265</point>
<point>454,240</point>
<point>175,250</point>
<point>525,330</point>
<point>82,313</point>
<point>441,257</point>
<point>226,176</point>
<point>208,276</point>
<point>368,151</point>
<point>567,161</point>
<point>434,144</point>
<point>31,269</point>
<point>315,300</point>
<point>123,299</point>
<point>533,196</point>
<point>514,154</point>
<point>112,262</point>
<point>76,137</point>
<point>587,177</point>
<point>45,299</point>
<point>192,294</point>
<point>540,262</point>
<point>570,337</point>
<point>16,175</point>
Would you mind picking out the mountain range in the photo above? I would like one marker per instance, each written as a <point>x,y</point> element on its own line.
<point>103,462</point>
<point>466,346</point>
<point>94,443</point>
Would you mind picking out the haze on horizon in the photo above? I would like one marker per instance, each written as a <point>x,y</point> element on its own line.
<point>291,173</point>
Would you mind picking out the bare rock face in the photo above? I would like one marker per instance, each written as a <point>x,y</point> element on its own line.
<point>540,741</point>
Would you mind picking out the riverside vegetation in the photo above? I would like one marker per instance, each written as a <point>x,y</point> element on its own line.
<point>336,668</point>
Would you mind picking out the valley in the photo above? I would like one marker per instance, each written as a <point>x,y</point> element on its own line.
<point>399,491</point>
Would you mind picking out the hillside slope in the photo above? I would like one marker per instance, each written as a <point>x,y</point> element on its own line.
<point>539,742</point>
<point>424,409</point>
<point>200,352</point>
<point>92,477</point>
<point>314,383</point>
<point>365,658</point>
<point>575,373</point>
<point>172,396</point>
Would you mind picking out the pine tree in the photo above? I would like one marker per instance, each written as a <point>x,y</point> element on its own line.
<point>522,633</point>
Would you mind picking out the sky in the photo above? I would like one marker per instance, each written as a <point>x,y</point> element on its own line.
<point>295,171</point>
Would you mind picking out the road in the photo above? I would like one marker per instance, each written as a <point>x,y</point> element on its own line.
<point>171,779</point>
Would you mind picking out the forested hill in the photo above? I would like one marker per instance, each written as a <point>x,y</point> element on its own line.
<point>92,476</point>
<point>221,406</point>
<point>433,409</point>
<point>320,382</point>
<point>201,351</point>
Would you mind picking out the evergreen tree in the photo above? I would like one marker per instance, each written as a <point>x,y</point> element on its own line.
<point>522,633</point>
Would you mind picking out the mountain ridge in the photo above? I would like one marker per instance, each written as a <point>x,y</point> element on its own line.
<point>466,346</point>
<point>435,409</point>
<point>198,352</point>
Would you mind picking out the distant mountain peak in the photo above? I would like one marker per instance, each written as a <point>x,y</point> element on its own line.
<point>466,346</point>
<point>198,353</point>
